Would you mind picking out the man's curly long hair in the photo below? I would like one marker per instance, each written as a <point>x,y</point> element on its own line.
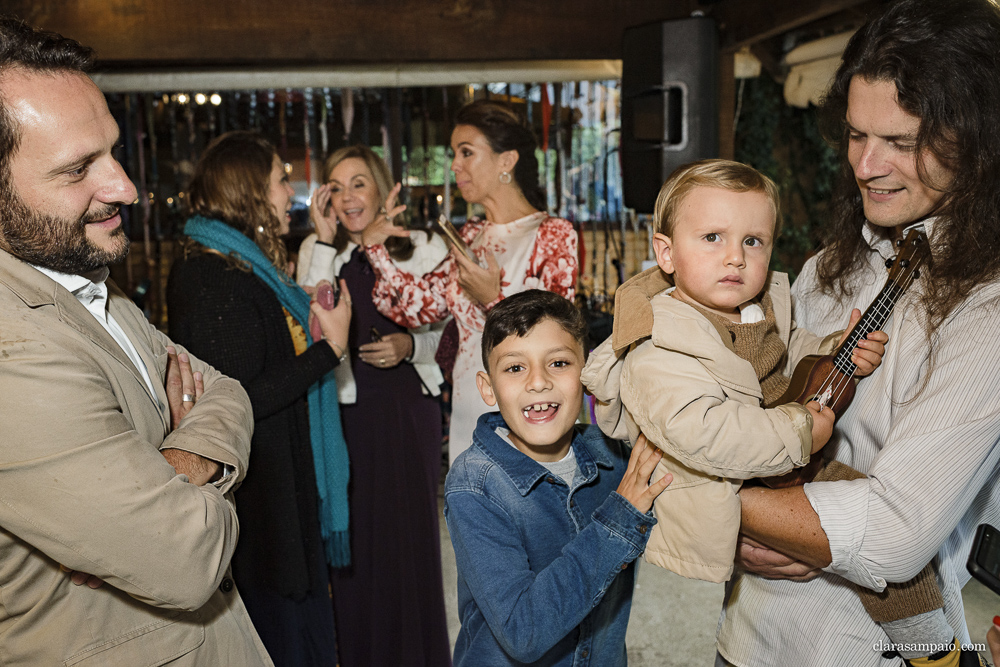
<point>943,56</point>
<point>231,183</point>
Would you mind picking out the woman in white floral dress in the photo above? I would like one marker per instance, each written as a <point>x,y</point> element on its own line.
<point>519,245</point>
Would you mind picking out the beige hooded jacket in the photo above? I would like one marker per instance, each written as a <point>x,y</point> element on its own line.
<point>670,373</point>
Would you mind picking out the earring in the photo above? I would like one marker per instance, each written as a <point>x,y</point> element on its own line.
<point>505,177</point>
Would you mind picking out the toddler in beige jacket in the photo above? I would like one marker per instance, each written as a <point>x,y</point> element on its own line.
<point>703,346</point>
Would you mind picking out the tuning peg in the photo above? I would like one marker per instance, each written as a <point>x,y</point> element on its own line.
<point>888,262</point>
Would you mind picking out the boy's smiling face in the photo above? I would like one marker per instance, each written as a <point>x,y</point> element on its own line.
<point>535,381</point>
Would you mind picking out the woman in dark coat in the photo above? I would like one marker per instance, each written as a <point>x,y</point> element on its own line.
<point>231,303</point>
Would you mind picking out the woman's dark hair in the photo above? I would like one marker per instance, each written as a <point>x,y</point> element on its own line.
<point>507,130</point>
<point>518,314</point>
<point>231,183</point>
<point>943,56</point>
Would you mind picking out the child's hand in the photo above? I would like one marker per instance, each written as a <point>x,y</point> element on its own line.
<point>868,354</point>
<point>823,419</point>
<point>635,486</point>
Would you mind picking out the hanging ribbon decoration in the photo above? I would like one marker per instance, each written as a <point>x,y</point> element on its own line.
<point>600,166</point>
<point>528,89</point>
<point>324,137</point>
<point>596,163</point>
<point>210,112</point>
<point>576,168</point>
<point>154,173</point>
<point>189,119</point>
<point>613,192</point>
<point>546,117</point>
<point>126,211</point>
<point>597,300</point>
<point>283,119</point>
<point>307,119</point>
<point>175,158</point>
<point>386,143</point>
<point>402,119</point>
<point>581,249</point>
<point>425,123</point>
<point>551,196</point>
<point>253,109</point>
<point>447,168</point>
<point>152,310</point>
<point>557,108</point>
<point>347,112</point>
<point>366,119</point>
<point>229,112</point>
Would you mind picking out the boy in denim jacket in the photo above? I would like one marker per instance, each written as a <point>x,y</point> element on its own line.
<point>546,516</point>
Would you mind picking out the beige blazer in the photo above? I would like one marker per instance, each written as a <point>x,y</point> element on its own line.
<point>667,372</point>
<point>82,484</point>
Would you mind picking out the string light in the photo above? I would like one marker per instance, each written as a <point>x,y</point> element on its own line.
<point>215,99</point>
<point>200,98</point>
<point>182,99</point>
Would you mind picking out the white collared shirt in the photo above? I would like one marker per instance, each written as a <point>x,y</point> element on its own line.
<point>92,292</point>
<point>931,450</point>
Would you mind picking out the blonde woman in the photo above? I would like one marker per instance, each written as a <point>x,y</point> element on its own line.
<point>390,601</point>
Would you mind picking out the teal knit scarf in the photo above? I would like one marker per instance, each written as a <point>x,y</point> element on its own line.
<point>328,446</point>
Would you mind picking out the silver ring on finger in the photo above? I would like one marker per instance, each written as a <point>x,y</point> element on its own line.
<point>187,398</point>
<point>381,362</point>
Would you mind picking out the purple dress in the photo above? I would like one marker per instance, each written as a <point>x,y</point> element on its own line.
<point>389,603</point>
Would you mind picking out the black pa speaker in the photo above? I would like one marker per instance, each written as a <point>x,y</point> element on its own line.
<point>669,103</point>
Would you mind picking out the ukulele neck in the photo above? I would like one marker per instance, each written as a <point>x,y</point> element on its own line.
<point>873,320</point>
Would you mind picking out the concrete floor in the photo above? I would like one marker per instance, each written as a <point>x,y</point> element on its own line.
<point>673,619</point>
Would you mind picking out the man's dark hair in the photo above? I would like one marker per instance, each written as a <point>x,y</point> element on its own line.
<point>943,56</point>
<point>518,314</point>
<point>24,47</point>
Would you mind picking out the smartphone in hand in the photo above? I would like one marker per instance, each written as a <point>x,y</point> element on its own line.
<point>453,238</point>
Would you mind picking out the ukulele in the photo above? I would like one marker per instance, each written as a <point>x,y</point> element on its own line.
<point>830,379</point>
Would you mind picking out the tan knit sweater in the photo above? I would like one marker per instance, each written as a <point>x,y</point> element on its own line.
<point>760,344</point>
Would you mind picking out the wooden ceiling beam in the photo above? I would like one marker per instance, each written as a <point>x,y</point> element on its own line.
<point>744,23</point>
<point>224,33</point>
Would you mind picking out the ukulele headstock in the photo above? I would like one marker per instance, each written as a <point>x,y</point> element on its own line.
<point>912,251</point>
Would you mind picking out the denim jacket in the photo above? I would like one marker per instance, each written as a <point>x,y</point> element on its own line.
<point>545,572</point>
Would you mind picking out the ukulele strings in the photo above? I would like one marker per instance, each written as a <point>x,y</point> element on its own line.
<point>893,289</point>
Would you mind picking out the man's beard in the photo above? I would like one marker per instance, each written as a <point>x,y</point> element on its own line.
<point>55,243</point>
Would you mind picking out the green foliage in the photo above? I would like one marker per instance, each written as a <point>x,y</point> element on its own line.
<point>785,143</point>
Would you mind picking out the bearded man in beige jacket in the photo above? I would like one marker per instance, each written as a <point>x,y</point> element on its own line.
<point>118,452</point>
